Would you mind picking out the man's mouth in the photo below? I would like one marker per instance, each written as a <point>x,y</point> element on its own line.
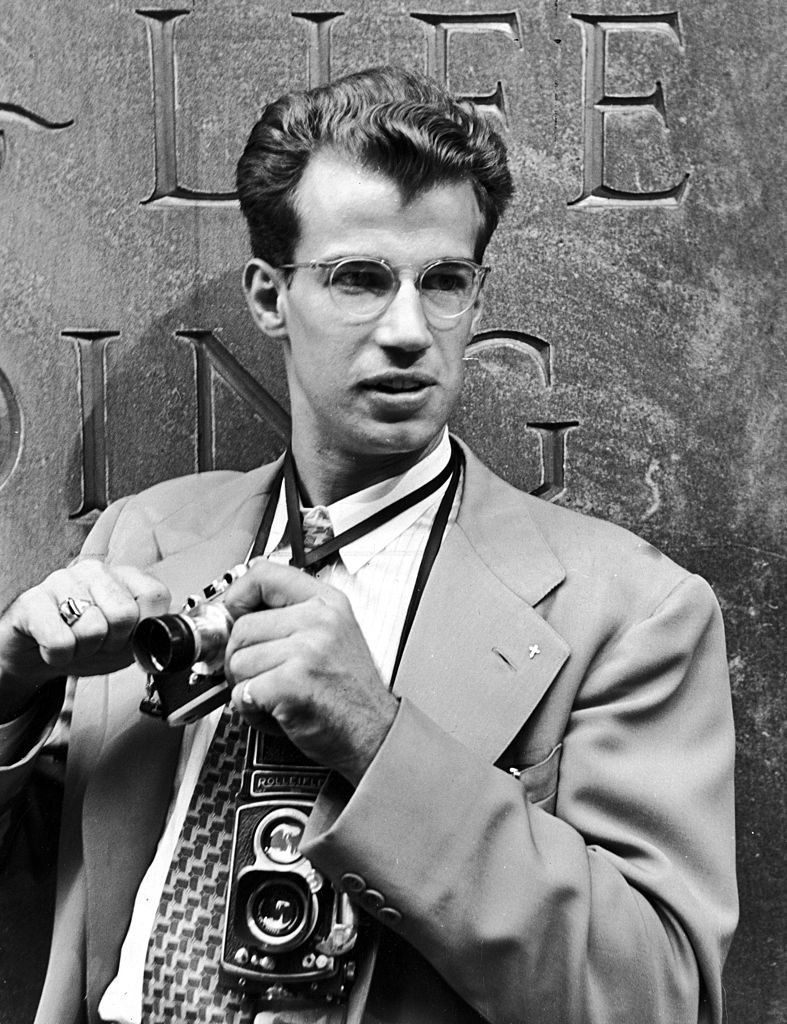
<point>398,383</point>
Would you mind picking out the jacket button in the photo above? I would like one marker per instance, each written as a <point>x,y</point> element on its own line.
<point>372,899</point>
<point>353,883</point>
<point>389,915</point>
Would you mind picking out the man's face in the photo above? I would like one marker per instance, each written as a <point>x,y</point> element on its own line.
<point>384,387</point>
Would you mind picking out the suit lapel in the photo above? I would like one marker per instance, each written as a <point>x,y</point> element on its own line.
<point>479,657</point>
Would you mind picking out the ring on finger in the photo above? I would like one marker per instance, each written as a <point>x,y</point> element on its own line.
<point>73,608</point>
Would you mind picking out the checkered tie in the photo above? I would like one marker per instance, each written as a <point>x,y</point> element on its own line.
<point>181,973</point>
<point>182,968</point>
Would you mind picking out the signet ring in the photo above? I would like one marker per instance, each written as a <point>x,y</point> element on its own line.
<point>72,609</point>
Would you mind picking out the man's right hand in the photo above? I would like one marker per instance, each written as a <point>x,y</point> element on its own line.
<point>36,645</point>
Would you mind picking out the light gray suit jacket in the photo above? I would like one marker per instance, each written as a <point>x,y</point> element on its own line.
<point>551,813</point>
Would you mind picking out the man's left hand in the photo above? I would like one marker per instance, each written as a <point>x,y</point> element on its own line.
<point>296,655</point>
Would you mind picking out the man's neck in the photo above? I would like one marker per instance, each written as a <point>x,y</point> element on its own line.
<point>327,476</point>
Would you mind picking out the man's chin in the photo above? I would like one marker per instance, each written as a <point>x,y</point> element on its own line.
<point>404,437</point>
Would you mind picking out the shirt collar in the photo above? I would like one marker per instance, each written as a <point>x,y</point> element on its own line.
<point>354,508</point>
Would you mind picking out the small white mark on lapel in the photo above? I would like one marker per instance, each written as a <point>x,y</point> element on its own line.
<point>533,650</point>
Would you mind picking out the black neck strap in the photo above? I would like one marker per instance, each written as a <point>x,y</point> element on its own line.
<point>264,529</point>
<point>433,543</point>
<point>312,561</point>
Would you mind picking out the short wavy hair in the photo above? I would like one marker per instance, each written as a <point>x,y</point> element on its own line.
<point>387,119</point>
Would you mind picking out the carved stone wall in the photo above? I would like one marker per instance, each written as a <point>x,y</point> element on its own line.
<point>632,360</point>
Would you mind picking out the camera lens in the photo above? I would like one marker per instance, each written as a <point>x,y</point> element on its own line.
<point>278,912</point>
<point>164,643</point>
<point>279,834</point>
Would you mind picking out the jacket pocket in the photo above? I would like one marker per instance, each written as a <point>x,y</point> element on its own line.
<point>539,781</point>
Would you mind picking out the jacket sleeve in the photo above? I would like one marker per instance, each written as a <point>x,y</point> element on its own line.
<point>618,907</point>
<point>32,730</point>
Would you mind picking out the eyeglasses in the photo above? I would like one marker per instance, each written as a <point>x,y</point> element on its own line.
<point>363,287</point>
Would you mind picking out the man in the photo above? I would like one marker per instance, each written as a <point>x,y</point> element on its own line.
<point>525,712</point>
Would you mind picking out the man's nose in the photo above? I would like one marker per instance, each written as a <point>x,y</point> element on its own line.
<point>403,324</point>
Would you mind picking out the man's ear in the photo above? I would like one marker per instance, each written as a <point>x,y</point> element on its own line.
<point>263,284</point>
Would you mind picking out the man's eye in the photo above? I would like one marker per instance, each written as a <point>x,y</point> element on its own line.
<point>354,278</point>
<point>445,279</point>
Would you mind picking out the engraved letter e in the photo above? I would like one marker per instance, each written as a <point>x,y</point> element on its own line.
<point>596,103</point>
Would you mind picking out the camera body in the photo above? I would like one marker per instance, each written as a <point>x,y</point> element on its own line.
<point>289,935</point>
<point>183,655</point>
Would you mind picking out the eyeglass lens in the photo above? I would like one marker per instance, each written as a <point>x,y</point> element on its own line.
<point>363,287</point>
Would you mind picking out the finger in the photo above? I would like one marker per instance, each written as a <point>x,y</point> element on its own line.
<point>90,633</point>
<point>115,597</point>
<point>254,713</point>
<point>36,617</point>
<point>246,700</point>
<point>247,662</point>
<point>108,624</point>
<point>276,623</point>
<point>151,595</point>
<point>269,585</point>
<point>118,597</point>
<point>62,644</point>
<point>125,596</point>
<point>122,597</point>
<point>257,702</point>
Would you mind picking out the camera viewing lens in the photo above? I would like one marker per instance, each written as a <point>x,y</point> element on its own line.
<point>279,834</point>
<point>282,844</point>
<point>279,910</point>
<point>164,643</point>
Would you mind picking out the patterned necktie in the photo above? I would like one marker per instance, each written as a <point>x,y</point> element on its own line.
<point>182,967</point>
<point>317,530</point>
<point>181,973</point>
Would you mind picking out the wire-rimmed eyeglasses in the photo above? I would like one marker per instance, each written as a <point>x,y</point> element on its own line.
<point>363,287</point>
